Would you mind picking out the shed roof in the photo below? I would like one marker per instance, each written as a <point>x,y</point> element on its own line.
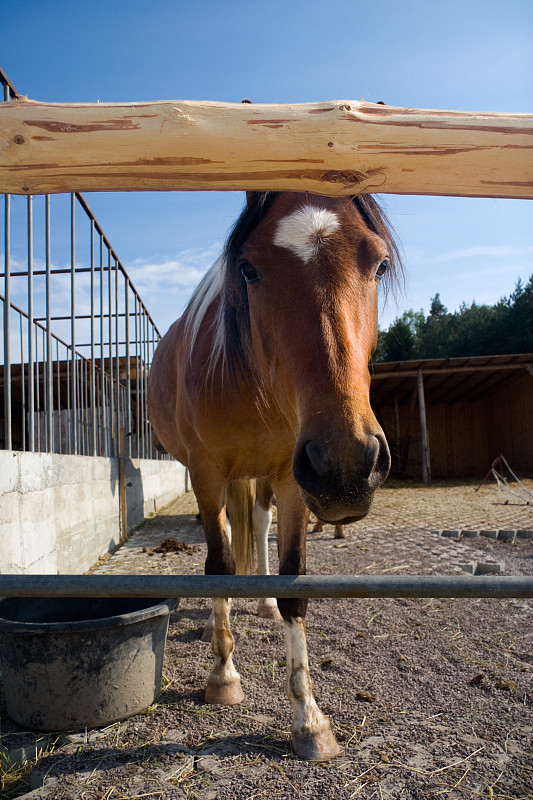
<point>446,379</point>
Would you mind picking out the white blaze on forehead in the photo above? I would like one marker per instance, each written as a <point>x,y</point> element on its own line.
<point>304,230</point>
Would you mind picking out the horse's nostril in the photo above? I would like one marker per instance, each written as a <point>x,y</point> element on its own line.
<point>311,463</point>
<point>318,457</point>
<point>383,462</point>
<point>372,453</point>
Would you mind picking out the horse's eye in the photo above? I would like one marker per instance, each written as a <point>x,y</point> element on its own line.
<point>249,272</point>
<point>382,269</point>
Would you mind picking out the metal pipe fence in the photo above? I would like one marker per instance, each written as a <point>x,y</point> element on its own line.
<point>410,586</point>
<point>77,339</point>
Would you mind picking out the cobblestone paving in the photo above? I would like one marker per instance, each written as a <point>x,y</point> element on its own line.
<point>403,519</point>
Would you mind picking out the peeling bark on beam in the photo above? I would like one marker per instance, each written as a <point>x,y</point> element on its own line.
<point>335,148</point>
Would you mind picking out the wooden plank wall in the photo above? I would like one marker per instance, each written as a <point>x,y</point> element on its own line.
<point>466,436</point>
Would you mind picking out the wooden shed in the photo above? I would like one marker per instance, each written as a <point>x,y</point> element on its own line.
<point>450,418</point>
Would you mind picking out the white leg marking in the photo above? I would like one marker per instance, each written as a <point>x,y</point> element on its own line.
<point>261,519</point>
<point>305,230</point>
<point>311,732</point>
<point>307,717</point>
<point>228,530</point>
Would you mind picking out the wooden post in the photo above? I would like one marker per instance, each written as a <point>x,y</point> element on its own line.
<point>426,469</point>
<point>331,148</point>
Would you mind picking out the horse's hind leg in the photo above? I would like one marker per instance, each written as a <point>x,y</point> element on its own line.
<point>339,529</point>
<point>262,518</point>
<point>339,532</point>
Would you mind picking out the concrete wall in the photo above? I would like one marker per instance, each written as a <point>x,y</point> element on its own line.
<point>59,513</point>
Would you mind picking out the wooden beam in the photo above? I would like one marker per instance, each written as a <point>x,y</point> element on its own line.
<point>330,148</point>
<point>413,373</point>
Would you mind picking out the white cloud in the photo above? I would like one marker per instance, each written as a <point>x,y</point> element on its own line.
<point>481,251</point>
<point>166,285</point>
<point>176,275</point>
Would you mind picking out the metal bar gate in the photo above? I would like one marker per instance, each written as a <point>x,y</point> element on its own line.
<point>410,586</point>
<point>76,340</point>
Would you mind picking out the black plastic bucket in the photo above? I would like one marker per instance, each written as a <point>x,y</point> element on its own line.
<point>70,663</point>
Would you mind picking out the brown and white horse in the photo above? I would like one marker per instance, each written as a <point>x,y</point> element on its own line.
<point>266,375</point>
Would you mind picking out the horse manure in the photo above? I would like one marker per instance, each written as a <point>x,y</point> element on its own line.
<point>505,685</point>
<point>365,697</point>
<point>172,545</point>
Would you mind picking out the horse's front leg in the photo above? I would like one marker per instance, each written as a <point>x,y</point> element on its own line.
<point>223,683</point>
<point>312,738</point>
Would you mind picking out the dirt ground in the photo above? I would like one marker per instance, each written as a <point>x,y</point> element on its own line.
<point>429,698</point>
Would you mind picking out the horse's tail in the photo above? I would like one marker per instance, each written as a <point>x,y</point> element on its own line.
<point>240,499</point>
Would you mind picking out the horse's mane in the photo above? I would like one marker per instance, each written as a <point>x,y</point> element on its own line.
<point>232,346</point>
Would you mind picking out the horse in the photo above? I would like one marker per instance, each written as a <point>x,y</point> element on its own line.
<point>339,529</point>
<point>266,376</point>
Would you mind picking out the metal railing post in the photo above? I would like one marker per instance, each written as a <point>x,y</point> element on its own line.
<point>73,381</point>
<point>7,300</point>
<point>103,427</point>
<point>110,356</point>
<point>59,436</point>
<point>117,361</point>
<point>22,381</point>
<point>49,372</point>
<point>137,379</point>
<point>7,319</point>
<point>93,367</point>
<point>128,370</point>
<point>31,376</point>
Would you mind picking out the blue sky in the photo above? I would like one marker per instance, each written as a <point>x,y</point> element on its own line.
<point>460,54</point>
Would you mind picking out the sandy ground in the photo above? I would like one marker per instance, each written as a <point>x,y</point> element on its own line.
<point>429,698</point>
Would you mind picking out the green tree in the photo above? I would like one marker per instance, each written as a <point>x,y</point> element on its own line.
<point>435,331</point>
<point>398,343</point>
<point>475,330</point>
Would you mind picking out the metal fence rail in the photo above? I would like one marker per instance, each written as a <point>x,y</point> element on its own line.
<point>266,586</point>
<point>77,339</point>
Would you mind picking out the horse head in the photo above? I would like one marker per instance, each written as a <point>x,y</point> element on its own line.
<point>305,275</point>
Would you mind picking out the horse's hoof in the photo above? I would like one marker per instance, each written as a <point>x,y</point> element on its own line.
<point>269,611</point>
<point>224,694</point>
<point>320,747</point>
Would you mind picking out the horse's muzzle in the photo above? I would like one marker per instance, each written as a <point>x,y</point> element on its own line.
<point>340,490</point>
